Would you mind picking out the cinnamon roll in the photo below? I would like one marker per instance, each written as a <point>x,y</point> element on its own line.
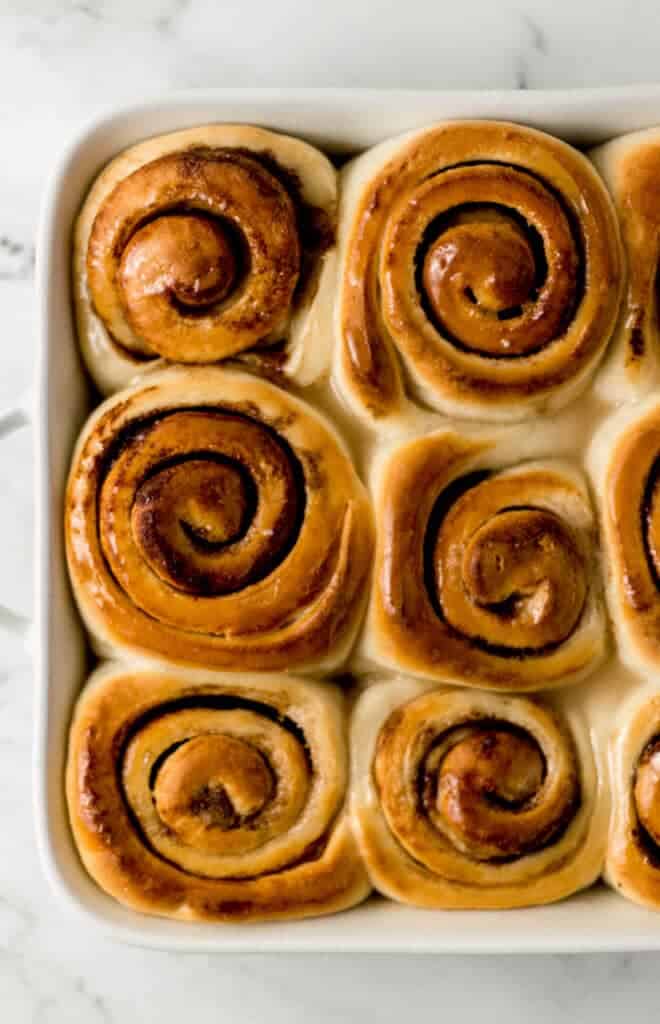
<point>633,857</point>
<point>485,571</point>
<point>206,797</point>
<point>631,169</point>
<point>203,244</point>
<point>214,519</point>
<point>624,459</point>
<point>464,799</point>
<point>479,260</point>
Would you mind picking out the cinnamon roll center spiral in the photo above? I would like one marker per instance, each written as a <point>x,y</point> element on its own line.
<point>190,258</point>
<point>476,269</point>
<point>209,783</point>
<point>462,781</point>
<point>215,509</point>
<point>508,577</point>
<point>479,779</point>
<point>499,262</point>
<point>216,785</point>
<point>209,502</point>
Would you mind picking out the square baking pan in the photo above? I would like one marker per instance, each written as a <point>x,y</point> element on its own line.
<point>339,121</point>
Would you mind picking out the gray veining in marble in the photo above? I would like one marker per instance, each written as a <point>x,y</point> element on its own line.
<point>59,62</point>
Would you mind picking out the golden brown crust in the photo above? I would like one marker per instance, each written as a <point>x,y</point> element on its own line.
<point>487,256</point>
<point>464,799</point>
<point>171,755</point>
<point>630,166</point>
<point>213,519</point>
<point>633,856</point>
<point>487,578</point>
<point>200,245</point>
<point>623,460</point>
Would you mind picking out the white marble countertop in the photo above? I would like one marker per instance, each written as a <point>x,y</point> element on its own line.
<point>59,62</point>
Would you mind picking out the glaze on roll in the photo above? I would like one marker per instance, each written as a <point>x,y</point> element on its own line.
<point>624,459</point>
<point>488,578</point>
<point>213,798</point>
<point>630,167</point>
<point>466,800</point>
<point>480,262</point>
<point>204,244</point>
<point>214,519</point>
<point>633,856</point>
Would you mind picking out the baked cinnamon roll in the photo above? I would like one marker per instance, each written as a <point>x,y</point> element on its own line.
<point>463,799</point>
<point>203,244</point>
<point>631,169</point>
<point>633,856</point>
<point>481,262</point>
<point>214,519</point>
<point>485,570</point>
<point>209,797</point>
<point>624,459</point>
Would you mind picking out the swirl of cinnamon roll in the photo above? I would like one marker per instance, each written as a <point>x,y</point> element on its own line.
<point>630,167</point>
<point>633,856</point>
<point>208,797</point>
<point>482,259</point>
<point>467,799</point>
<point>624,460</point>
<point>212,518</point>
<point>487,578</point>
<point>200,245</point>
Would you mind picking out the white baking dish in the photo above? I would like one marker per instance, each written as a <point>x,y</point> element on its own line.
<point>339,121</point>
